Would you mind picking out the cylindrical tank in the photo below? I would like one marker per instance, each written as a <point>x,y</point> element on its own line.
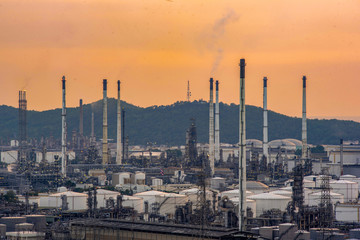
<point>75,200</point>
<point>133,202</point>
<point>234,193</point>
<point>124,178</point>
<point>22,227</point>
<point>61,189</point>
<point>139,178</point>
<point>249,203</point>
<point>350,190</point>
<point>218,183</point>
<point>168,203</point>
<point>39,222</point>
<point>282,193</point>
<point>10,222</point>
<point>149,196</point>
<point>267,201</point>
<point>157,182</point>
<point>102,195</point>
<point>314,198</point>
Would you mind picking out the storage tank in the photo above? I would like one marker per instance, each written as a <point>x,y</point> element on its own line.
<point>102,195</point>
<point>168,203</point>
<point>351,178</point>
<point>133,202</point>
<point>314,198</point>
<point>149,196</point>
<point>21,227</point>
<point>124,178</point>
<point>139,178</point>
<point>217,183</point>
<point>347,212</point>
<point>10,222</point>
<point>234,193</point>
<point>157,182</point>
<point>282,193</point>
<point>61,189</point>
<point>349,189</point>
<point>76,201</point>
<point>249,203</point>
<point>39,222</point>
<point>194,194</point>
<point>267,201</point>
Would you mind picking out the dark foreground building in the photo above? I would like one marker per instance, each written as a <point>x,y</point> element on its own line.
<point>125,230</point>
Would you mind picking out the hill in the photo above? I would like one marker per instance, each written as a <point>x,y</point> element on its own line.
<point>167,124</point>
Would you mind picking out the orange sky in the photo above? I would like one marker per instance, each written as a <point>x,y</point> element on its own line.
<point>155,46</point>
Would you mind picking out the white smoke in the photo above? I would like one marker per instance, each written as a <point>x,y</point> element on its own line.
<point>218,31</point>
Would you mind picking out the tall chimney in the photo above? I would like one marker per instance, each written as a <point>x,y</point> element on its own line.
<point>63,130</point>
<point>217,125</point>
<point>81,123</point>
<point>92,127</point>
<point>242,149</point>
<point>118,143</point>
<point>265,127</point>
<point>105,156</point>
<point>341,157</point>
<point>211,129</point>
<point>304,130</point>
<point>22,161</point>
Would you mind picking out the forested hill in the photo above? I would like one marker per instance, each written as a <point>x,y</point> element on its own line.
<point>168,124</point>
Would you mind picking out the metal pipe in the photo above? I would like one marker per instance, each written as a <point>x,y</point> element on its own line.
<point>265,126</point>
<point>118,143</point>
<point>211,129</point>
<point>105,156</point>
<point>63,130</point>
<point>217,124</point>
<point>92,126</point>
<point>304,129</point>
<point>81,122</point>
<point>242,149</point>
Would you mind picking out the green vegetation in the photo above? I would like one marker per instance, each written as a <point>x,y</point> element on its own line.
<point>168,124</point>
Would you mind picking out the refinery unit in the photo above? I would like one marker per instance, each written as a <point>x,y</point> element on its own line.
<point>82,187</point>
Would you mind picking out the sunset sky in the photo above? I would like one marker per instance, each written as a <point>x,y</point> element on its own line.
<point>155,46</point>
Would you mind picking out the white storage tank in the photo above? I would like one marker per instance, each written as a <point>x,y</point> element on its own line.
<point>157,182</point>
<point>267,201</point>
<point>134,202</point>
<point>149,196</point>
<point>76,201</point>
<point>61,189</point>
<point>234,193</point>
<point>249,203</point>
<point>168,203</point>
<point>139,178</point>
<point>351,178</point>
<point>314,198</point>
<point>124,178</point>
<point>347,212</point>
<point>217,183</point>
<point>102,195</point>
<point>282,192</point>
<point>194,195</point>
<point>349,189</point>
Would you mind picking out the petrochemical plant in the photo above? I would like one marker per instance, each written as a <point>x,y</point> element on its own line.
<point>81,187</point>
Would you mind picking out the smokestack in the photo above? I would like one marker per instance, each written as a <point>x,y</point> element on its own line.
<point>105,156</point>
<point>242,149</point>
<point>211,129</point>
<point>341,157</point>
<point>217,125</point>
<point>92,127</point>
<point>63,130</point>
<point>81,123</point>
<point>304,130</point>
<point>118,143</point>
<point>265,127</point>
<point>22,162</point>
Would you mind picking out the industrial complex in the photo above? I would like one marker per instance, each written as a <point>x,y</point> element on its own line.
<point>86,187</point>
